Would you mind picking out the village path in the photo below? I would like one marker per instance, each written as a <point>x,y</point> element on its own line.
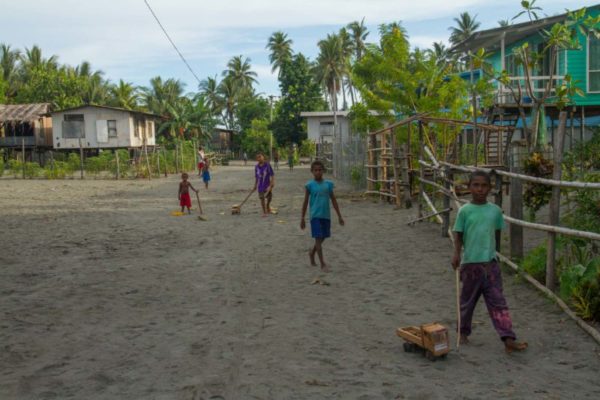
<point>105,295</point>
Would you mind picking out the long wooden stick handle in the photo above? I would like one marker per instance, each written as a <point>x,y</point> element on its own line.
<point>247,197</point>
<point>458,307</point>
<point>199,206</point>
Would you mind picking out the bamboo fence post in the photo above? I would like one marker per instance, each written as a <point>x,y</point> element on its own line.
<point>146,155</point>
<point>405,178</point>
<point>498,201</point>
<point>166,162</point>
<point>555,201</point>
<point>384,169</point>
<point>516,211</point>
<point>372,144</point>
<point>421,169</point>
<point>395,168</point>
<point>446,205</point>
<point>157,155</point>
<point>118,164</point>
<point>23,153</point>
<point>80,158</point>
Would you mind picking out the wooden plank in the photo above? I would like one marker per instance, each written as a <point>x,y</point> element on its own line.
<point>405,121</point>
<point>555,201</point>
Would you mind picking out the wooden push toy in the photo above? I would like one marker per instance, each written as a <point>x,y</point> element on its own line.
<point>429,339</point>
<point>237,209</point>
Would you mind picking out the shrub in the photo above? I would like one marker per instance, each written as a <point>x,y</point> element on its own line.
<point>1,165</point>
<point>16,167</point>
<point>580,286</point>
<point>59,170</point>
<point>32,170</point>
<point>534,263</point>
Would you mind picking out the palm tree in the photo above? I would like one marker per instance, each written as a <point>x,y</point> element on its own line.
<point>239,71</point>
<point>359,33</point>
<point>124,95</point>
<point>330,66</point>
<point>465,27</point>
<point>160,94</point>
<point>96,90</point>
<point>281,50</point>
<point>209,90</point>
<point>503,23</point>
<point>229,91</point>
<point>33,58</point>
<point>8,68</point>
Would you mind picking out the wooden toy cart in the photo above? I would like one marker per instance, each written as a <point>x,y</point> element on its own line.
<point>429,339</point>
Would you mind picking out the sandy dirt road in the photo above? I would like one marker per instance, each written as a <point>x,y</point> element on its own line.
<point>105,295</point>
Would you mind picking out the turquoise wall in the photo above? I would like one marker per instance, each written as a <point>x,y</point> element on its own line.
<point>576,63</point>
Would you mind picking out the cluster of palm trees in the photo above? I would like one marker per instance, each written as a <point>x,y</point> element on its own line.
<point>332,67</point>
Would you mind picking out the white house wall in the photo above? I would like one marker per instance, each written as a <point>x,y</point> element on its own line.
<point>125,130</point>
<point>313,125</point>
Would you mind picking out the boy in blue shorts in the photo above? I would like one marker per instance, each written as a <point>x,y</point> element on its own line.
<point>318,192</point>
<point>477,230</point>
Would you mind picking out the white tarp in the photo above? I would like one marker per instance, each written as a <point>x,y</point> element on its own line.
<point>102,131</point>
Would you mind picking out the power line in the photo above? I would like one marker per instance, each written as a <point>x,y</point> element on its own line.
<point>172,43</point>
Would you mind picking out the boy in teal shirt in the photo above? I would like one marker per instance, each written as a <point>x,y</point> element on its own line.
<point>319,191</point>
<point>477,229</point>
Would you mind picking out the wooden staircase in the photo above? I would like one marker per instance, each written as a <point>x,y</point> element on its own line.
<point>497,142</point>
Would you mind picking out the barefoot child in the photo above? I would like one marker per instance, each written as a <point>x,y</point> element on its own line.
<point>264,182</point>
<point>184,193</point>
<point>476,231</point>
<point>319,191</point>
<point>206,173</point>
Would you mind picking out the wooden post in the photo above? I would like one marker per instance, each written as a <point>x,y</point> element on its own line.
<point>498,201</point>
<point>446,216</point>
<point>80,158</point>
<point>23,152</point>
<point>157,154</point>
<point>118,165</point>
<point>395,168</point>
<point>146,155</point>
<point>555,201</point>
<point>166,162</point>
<point>516,211</point>
<point>421,169</point>
<point>371,144</point>
<point>406,193</point>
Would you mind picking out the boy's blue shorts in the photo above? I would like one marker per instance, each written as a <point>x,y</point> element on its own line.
<point>205,176</point>
<point>320,228</point>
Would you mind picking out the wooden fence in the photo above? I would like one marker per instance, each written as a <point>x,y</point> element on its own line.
<point>443,182</point>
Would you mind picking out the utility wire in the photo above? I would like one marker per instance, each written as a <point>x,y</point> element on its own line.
<point>172,43</point>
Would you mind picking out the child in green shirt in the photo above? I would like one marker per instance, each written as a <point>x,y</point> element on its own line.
<point>476,230</point>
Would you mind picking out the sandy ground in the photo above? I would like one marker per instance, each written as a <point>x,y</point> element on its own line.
<point>105,295</point>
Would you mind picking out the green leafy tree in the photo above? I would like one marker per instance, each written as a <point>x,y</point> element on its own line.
<point>258,137</point>
<point>300,92</point>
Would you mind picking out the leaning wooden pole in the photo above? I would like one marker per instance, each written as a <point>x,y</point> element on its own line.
<point>80,158</point>
<point>555,201</point>
<point>421,170</point>
<point>395,168</point>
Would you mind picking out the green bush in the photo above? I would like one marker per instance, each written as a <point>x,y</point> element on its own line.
<point>356,175</point>
<point>58,170</point>
<point>16,167</point>
<point>580,286</point>
<point>1,165</point>
<point>534,263</point>
<point>32,170</point>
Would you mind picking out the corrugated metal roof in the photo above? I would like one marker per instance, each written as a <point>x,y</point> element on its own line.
<point>23,112</point>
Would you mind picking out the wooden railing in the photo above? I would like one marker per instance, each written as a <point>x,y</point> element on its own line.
<point>504,94</point>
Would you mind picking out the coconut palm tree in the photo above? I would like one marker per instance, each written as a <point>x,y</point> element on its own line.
<point>9,67</point>
<point>229,91</point>
<point>280,47</point>
<point>239,71</point>
<point>160,94</point>
<point>465,27</point>
<point>124,95</point>
<point>33,58</point>
<point>330,66</point>
<point>359,33</point>
<point>503,23</point>
<point>209,90</point>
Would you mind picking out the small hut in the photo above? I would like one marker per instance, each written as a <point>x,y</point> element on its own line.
<point>25,126</point>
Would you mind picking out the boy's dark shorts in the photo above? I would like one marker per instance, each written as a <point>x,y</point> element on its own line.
<point>265,195</point>
<point>320,228</point>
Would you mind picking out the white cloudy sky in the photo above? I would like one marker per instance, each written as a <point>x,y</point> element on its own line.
<point>121,38</point>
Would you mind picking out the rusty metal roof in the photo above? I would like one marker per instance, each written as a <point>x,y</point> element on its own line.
<point>23,112</point>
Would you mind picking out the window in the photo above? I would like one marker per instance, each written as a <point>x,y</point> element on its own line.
<point>150,128</point>
<point>112,127</point>
<point>510,63</point>
<point>73,126</point>
<point>593,64</point>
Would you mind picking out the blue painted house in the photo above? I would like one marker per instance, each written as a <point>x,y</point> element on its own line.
<point>583,65</point>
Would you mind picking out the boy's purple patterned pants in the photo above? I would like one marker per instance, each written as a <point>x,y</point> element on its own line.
<point>486,279</point>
